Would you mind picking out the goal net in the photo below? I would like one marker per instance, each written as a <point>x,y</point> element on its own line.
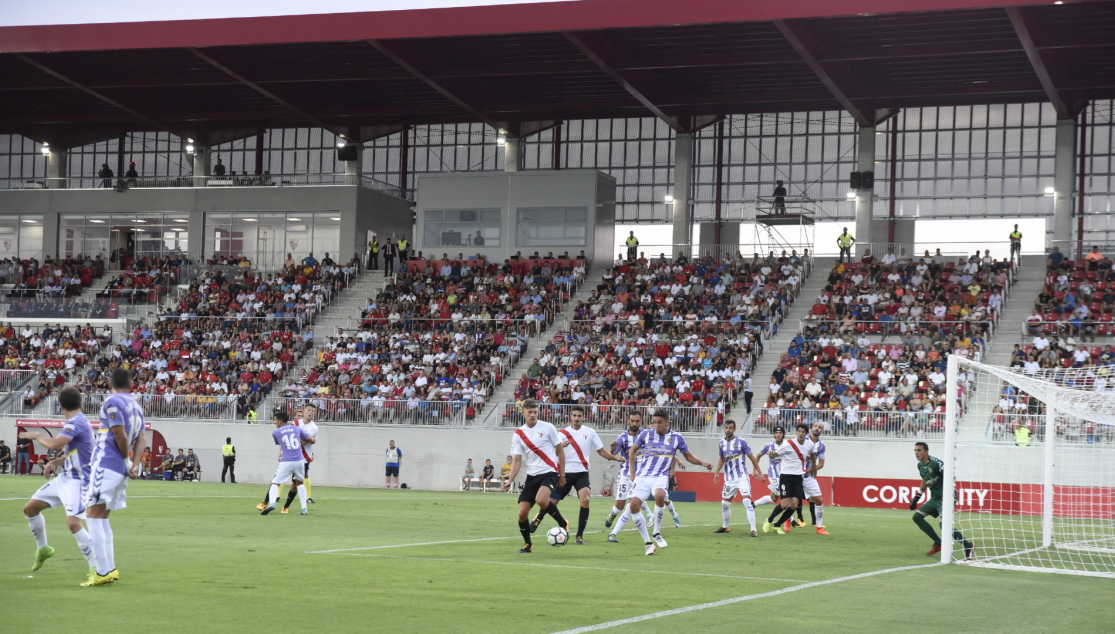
<point>1030,468</point>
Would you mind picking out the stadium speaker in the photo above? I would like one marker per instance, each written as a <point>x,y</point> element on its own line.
<point>856,182</point>
<point>869,180</point>
<point>349,152</point>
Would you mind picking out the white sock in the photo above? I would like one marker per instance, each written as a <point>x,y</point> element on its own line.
<point>820,515</point>
<point>302,496</point>
<point>623,519</point>
<point>642,526</point>
<point>750,512</point>
<point>726,510</point>
<point>97,532</point>
<point>764,500</point>
<point>38,529</point>
<point>85,543</point>
<point>613,513</point>
<point>273,495</point>
<point>110,546</point>
<point>659,513</point>
<point>670,505</point>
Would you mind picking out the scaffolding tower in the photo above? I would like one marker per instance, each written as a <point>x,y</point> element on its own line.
<point>785,224</point>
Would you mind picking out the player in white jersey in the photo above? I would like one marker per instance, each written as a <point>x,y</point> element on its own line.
<point>68,489</point>
<point>540,443</point>
<point>580,442</point>
<point>814,463</point>
<point>791,491</point>
<point>774,467</point>
<point>736,480</point>
<point>307,423</point>
<point>121,430</point>
<point>651,457</point>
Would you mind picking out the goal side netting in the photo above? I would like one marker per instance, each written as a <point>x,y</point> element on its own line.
<point>1029,468</point>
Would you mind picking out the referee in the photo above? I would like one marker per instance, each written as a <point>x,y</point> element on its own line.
<point>229,453</point>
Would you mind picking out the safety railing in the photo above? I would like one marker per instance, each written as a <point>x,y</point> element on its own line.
<point>924,326</point>
<point>1078,250</point>
<point>693,420</point>
<point>857,420</point>
<point>185,407</point>
<point>11,400</point>
<point>1067,324</point>
<point>372,411</point>
<point>64,308</point>
<point>144,182</point>
<point>743,252</point>
<point>1002,428</point>
<point>939,251</point>
<point>621,325</point>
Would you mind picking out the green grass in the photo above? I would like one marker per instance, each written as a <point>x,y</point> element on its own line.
<point>204,560</point>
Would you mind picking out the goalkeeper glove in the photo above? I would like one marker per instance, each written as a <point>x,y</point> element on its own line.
<point>914,502</point>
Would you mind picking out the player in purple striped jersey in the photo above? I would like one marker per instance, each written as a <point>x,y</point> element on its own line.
<point>68,489</point>
<point>774,467</point>
<point>814,462</point>
<point>732,453</point>
<point>621,447</point>
<point>121,430</point>
<point>292,464</point>
<point>651,457</point>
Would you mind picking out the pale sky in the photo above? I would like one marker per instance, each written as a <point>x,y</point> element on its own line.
<point>22,13</point>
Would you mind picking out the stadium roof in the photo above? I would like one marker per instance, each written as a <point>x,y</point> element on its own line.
<point>522,67</point>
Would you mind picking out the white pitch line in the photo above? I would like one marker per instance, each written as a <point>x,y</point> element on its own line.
<point>535,565</point>
<point>717,604</point>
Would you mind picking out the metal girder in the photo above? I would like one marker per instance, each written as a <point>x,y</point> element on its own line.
<point>607,62</point>
<point>408,60</point>
<point>260,89</point>
<point>112,102</point>
<point>1024,27</point>
<point>835,79</point>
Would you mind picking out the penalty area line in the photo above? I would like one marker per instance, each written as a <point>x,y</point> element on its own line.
<point>717,604</point>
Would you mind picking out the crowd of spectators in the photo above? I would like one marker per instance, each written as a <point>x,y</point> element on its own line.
<point>1077,299</point>
<point>896,294</point>
<point>53,278</point>
<point>438,339</point>
<point>681,334</point>
<point>57,353</point>
<point>854,386</point>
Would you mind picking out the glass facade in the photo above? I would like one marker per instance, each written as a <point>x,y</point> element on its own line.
<point>552,227</point>
<point>21,237</point>
<point>115,236</point>
<point>461,227</point>
<point>267,238</point>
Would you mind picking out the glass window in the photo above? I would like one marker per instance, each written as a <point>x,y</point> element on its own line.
<point>553,227</point>
<point>267,238</point>
<point>459,227</point>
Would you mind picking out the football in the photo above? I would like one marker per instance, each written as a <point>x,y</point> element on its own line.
<point>557,536</point>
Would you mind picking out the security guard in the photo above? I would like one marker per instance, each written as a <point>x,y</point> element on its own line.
<point>373,254</point>
<point>252,416</point>
<point>845,241</point>
<point>632,247</point>
<point>404,244</point>
<point>1016,244</point>
<point>1022,436</point>
<point>229,453</point>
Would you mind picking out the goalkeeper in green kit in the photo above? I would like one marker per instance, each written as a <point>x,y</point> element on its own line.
<point>932,472</point>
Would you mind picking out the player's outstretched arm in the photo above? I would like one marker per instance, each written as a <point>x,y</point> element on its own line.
<point>561,468</point>
<point>604,453</point>
<point>716,472</point>
<point>51,443</point>
<point>695,460</point>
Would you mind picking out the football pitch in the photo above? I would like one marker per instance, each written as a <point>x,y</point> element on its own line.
<point>199,557</point>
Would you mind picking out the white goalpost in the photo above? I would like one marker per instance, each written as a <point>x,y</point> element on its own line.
<point>1030,468</point>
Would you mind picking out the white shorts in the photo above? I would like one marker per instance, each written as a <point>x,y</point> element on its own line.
<point>623,487</point>
<point>290,471</point>
<point>812,488</point>
<point>645,486</point>
<point>773,485</point>
<point>65,492</point>
<point>109,488</point>
<point>741,486</point>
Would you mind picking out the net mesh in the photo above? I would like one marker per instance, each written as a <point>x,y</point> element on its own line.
<point>1024,503</point>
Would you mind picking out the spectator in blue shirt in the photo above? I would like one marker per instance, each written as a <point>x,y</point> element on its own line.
<point>1055,258</point>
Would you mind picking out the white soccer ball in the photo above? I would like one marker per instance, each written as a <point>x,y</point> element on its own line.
<point>557,536</point>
